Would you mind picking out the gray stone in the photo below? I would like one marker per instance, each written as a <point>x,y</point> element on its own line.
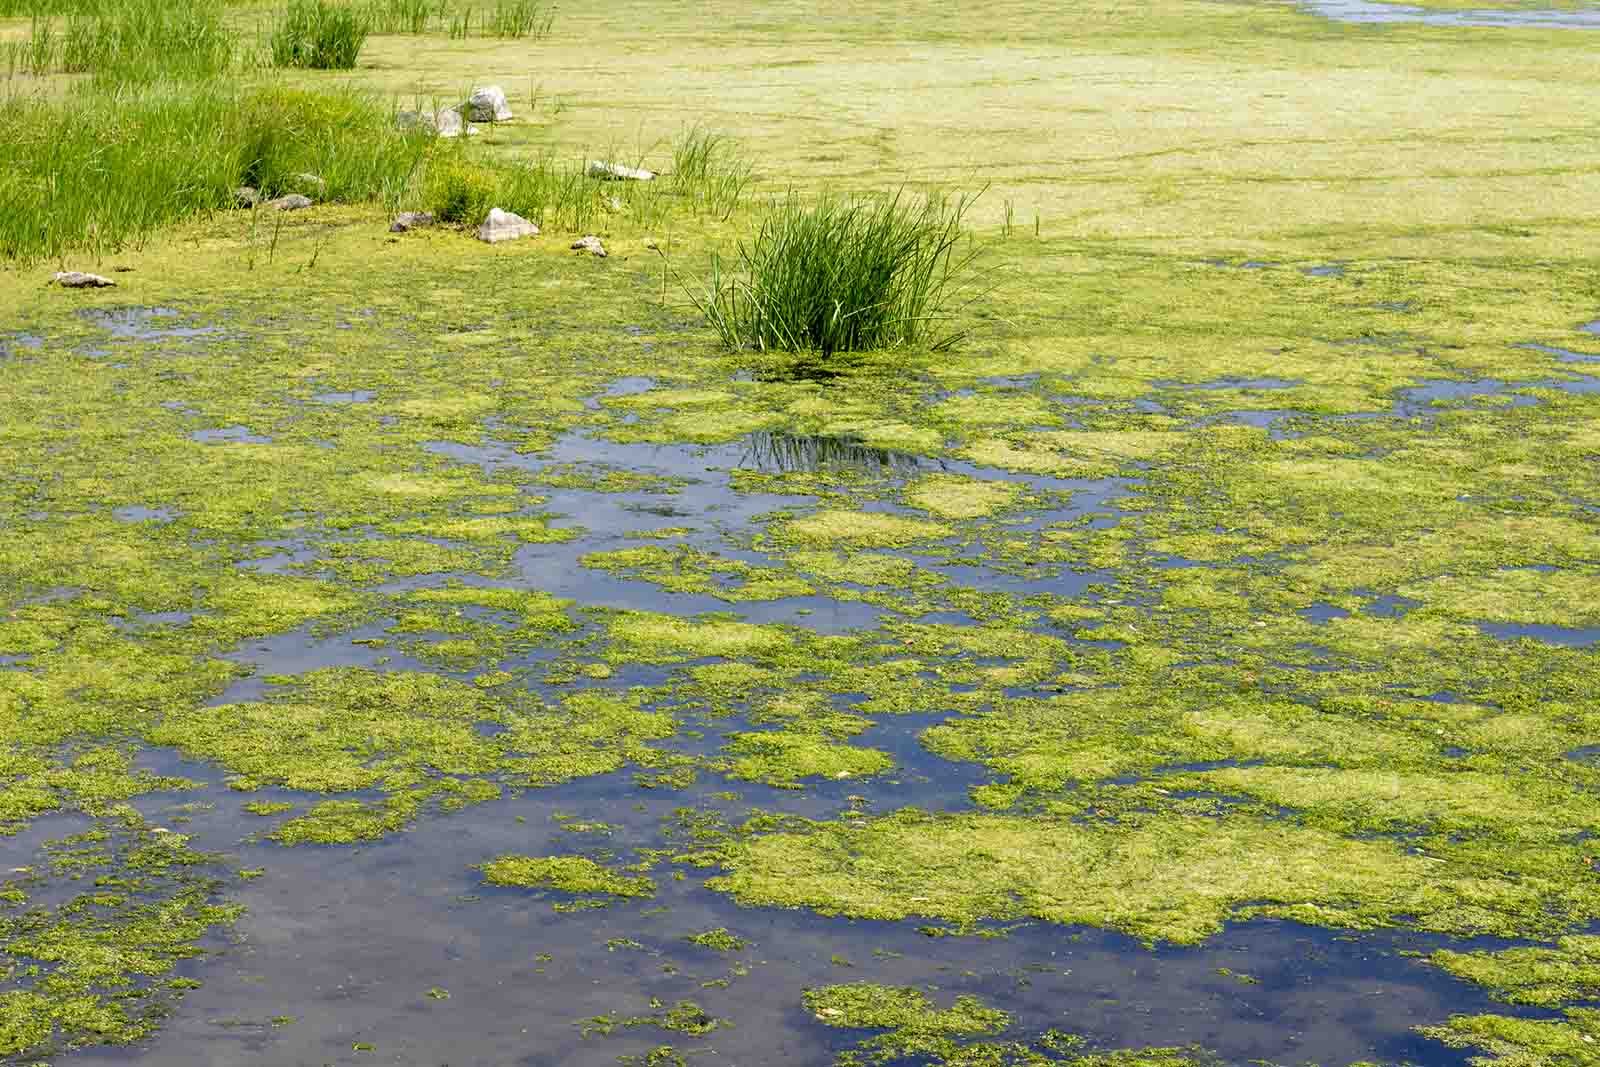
<point>77,279</point>
<point>504,226</point>
<point>590,244</point>
<point>445,122</point>
<point>488,104</point>
<point>246,196</point>
<point>619,172</point>
<point>292,202</point>
<point>411,220</point>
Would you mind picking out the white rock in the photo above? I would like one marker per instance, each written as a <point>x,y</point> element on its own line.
<point>619,172</point>
<point>504,226</point>
<point>488,104</point>
<point>246,196</point>
<point>411,220</point>
<point>292,202</point>
<point>590,244</point>
<point>447,123</point>
<point>77,279</point>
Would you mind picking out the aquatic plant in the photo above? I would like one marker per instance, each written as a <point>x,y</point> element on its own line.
<point>319,34</point>
<point>841,274</point>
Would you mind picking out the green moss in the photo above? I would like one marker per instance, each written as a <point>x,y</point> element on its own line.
<point>569,874</point>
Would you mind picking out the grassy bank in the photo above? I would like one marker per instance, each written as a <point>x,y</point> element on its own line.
<point>99,174</point>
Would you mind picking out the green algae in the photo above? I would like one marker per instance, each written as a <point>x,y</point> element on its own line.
<point>719,940</point>
<point>782,758</point>
<point>1172,877</point>
<point>413,736</point>
<point>868,1006</point>
<point>1509,1042</point>
<point>92,968</point>
<point>874,529</point>
<point>1370,730</point>
<point>1547,976</point>
<point>569,874</point>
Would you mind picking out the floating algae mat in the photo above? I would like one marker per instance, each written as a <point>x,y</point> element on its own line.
<point>413,651</point>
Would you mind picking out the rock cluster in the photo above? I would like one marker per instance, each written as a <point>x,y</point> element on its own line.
<point>488,104</point>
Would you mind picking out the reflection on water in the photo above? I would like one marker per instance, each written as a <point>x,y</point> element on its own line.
<point>787,453</point>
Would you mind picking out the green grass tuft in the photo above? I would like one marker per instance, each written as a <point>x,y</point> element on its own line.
<point>320,35</point>
<point>842,275</point>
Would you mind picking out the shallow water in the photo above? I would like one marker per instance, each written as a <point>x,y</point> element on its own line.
<point>1369,11</point>
<point>346,944</point>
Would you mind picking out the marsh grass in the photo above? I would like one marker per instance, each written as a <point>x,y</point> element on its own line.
<point>320,35</point>
<point>99,173</point>
<point>134,41</point>
<point>707,167</point>
<point>462,182</point>
<point>504,19</point>
<point>843,274</point>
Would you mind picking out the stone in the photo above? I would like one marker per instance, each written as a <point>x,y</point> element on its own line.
<point>619,172</point>
<point>292,202</point>
<point>411,220</point>
<point>309,184</point>
<point>246,196</point>
<point>488,104</point>
<point>445,122</point>
<point>77,279</point>
<point>590,244</point>
<point>504,226</point>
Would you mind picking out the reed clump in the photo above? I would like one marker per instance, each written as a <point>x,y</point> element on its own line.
<point>320,35</point>
<point>843,274</point>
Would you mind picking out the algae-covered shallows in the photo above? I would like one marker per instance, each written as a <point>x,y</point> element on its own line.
<point>1002,704</point>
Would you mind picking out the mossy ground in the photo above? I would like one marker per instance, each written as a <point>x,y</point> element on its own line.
<point>1200,593</point>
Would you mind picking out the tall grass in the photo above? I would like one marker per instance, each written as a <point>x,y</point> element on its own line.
<point>99,172</point>
<point>504,18</point>
<point>131,41</point>
<point>320,35</point>
<point>843,275</point>
<point>707,168</point>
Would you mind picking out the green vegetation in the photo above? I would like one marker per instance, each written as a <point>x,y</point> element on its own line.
<point>840,275</point>
<point>320,34</point>
<point>138,41</point>
<point>1248,662</point>
<point>1567,971</point>
<point>719,939</point>
<point>569,874</point>
<point>98,174</point>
